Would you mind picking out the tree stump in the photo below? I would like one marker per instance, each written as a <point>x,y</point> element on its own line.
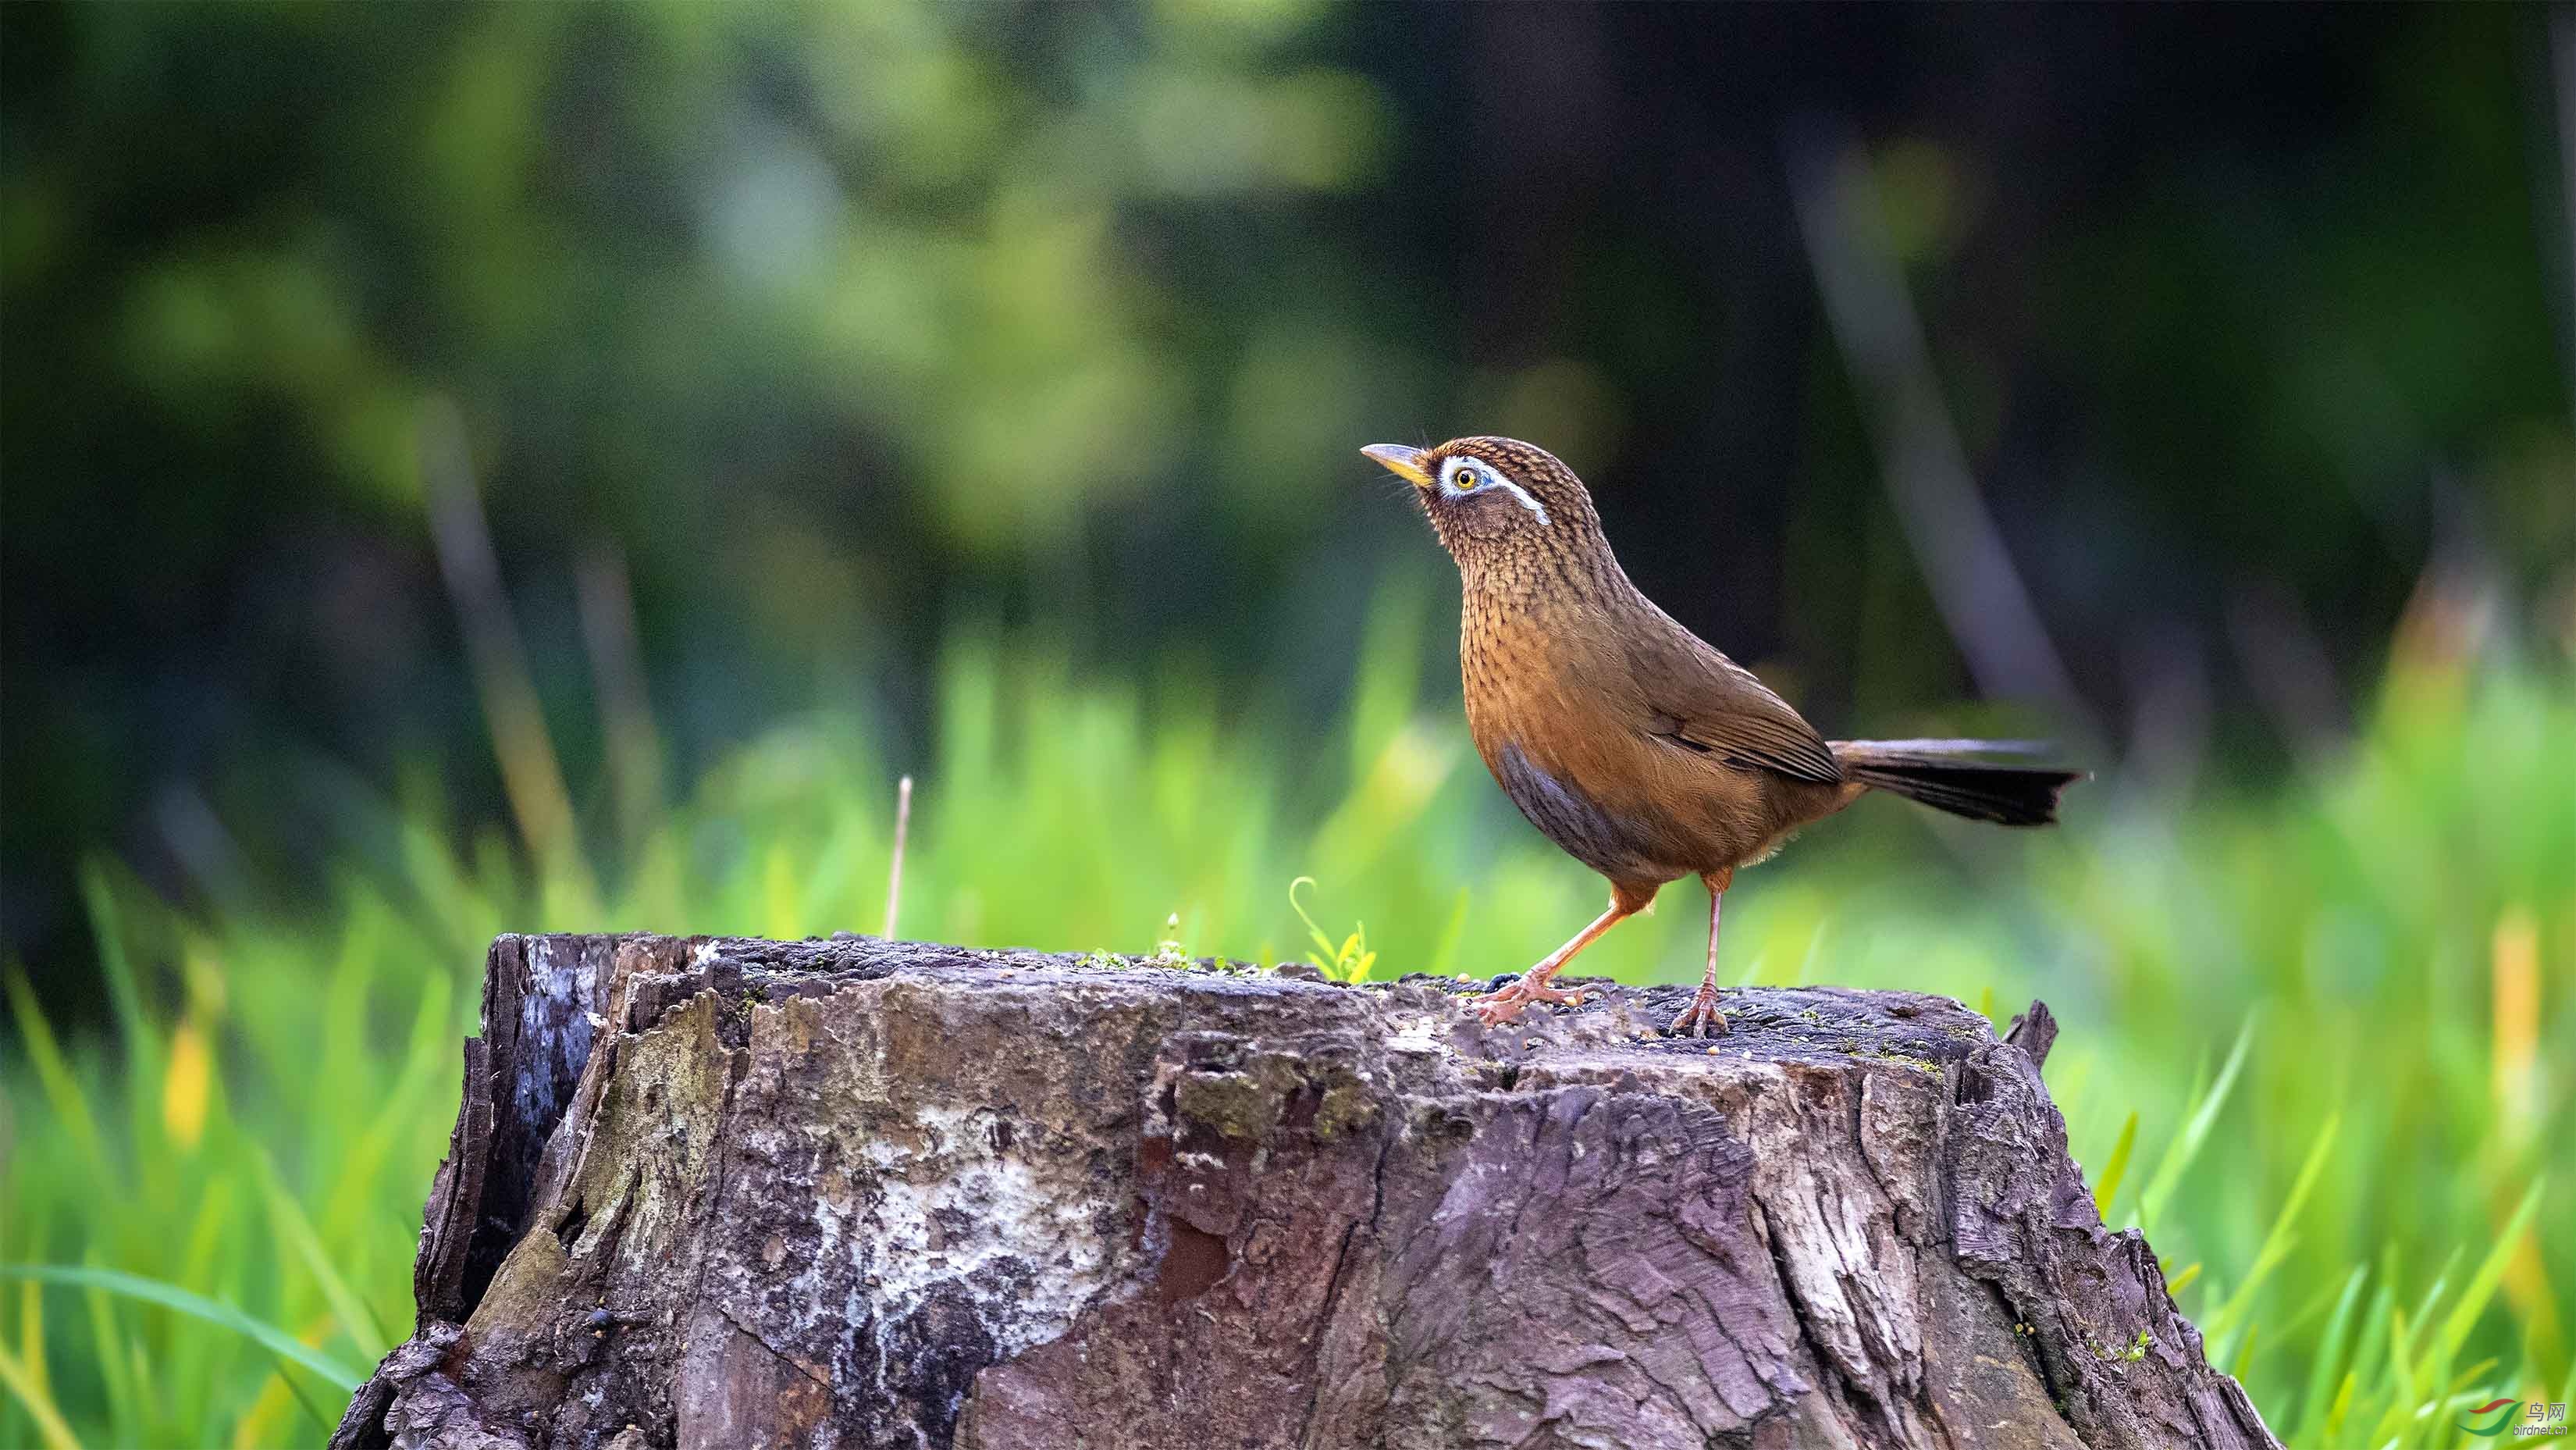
<point>867,1193</point>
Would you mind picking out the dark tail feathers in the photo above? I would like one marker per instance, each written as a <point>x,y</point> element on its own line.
<point>1947,775</point>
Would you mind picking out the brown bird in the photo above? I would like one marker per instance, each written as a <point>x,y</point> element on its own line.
<point>1627,740</point>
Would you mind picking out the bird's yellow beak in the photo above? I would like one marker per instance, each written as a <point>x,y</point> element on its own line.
<point>1403,462</point>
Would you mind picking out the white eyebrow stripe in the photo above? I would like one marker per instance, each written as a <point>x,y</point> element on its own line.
<point>1527,502</point>
<point>1455,466</point>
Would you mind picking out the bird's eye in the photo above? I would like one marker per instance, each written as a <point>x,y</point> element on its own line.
<point>1466,478</point>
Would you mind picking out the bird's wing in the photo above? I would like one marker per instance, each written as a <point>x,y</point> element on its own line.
<point>1701,700</point>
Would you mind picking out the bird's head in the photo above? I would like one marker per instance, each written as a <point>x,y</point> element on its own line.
<point>1491,496</point>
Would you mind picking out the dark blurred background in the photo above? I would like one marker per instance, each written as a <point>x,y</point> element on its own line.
<point>780,343</point>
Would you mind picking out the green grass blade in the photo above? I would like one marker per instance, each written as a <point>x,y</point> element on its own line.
<point>2402,1366</point>
<point>2186,1144</point>
<point>355,1317</point>
<point>62,1090</point>
<point>170,1296</point>
<point>107,1340</point>
<point>2441,1285</point>
<point>2117,1168</point>
<point>31,1356</point>
<point>2276,1244</point>
<point>2482,1285</point>
<point>2342,1406</point>
<point>39,1406</point>
<point>2370,1357</point>
<point>113,964</point>
<point>402,1105</point>
<point>2329,1357</point>
<point>304,1401</point>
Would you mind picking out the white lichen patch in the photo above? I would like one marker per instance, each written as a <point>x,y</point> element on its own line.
<point>1418,1032</point>
<point>1032,1260</point>
<point>554,1051</point>
<point>928,1237</point>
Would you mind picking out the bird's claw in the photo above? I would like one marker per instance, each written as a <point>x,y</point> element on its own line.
<point>1701,1018</point>
<point>1499,1007</point>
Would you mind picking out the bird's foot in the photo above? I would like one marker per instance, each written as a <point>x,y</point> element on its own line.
<point>1701,1018</point>
<point>1502,1006</point>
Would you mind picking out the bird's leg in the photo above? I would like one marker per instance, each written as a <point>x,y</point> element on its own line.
<point>1501,1007</point>
<point>1701,1018</point>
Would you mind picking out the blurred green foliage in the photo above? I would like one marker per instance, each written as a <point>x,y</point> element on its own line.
<point>901,223</point>
<point>824,317</point>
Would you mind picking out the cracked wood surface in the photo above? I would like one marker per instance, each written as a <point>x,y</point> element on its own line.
<point>862,1193</point>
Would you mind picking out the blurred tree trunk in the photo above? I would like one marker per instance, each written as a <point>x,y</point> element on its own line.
<point>867,1193</point>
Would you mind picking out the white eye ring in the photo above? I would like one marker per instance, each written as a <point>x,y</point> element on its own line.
<point>1461,476</point>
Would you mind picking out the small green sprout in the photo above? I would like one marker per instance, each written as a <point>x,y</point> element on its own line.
<point>1348,963</point>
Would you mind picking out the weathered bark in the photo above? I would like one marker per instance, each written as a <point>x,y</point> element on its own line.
<point>865,1193</point>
